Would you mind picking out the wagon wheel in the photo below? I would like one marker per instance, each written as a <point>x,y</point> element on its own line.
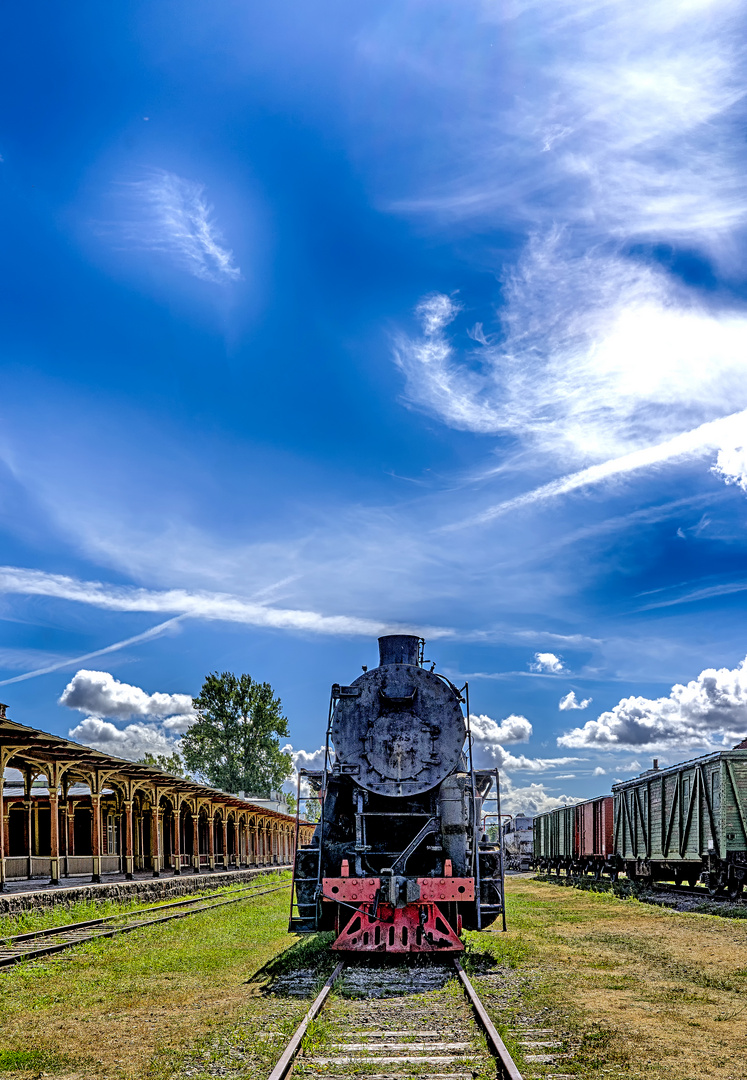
<point>734,889</point>
<point>714,885</point>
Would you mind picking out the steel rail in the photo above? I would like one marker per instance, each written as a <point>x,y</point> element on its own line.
<point>65,928</point>
<point>506,1065</point>
<point>46,950</point>
<point>496,1044</point>
<point>285,1064</point>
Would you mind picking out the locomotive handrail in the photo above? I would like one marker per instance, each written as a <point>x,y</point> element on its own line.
<point>430,827</point>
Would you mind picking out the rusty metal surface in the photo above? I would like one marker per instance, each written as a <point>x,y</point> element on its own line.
<point>415,928</point>
<point>507,1066</point>
<point>285,1064</point>
<point>401,734</point>
<point>347,888</point>
<point>446,888</point>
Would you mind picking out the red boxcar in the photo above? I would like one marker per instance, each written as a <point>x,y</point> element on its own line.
<point>593,840</point>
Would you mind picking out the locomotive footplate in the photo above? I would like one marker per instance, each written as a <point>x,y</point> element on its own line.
<point>415,928</point>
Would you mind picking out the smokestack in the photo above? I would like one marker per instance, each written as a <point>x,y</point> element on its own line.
<point>656,763</point>
<point>399,649</point>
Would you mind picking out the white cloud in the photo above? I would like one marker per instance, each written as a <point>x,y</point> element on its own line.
<point>179,221</point>
<point>514,729</point>
<point>132,741</point>
<point>707,712</point>
<point>731,465</point>
<point>700,440</point>
<point>313,760</point>
<point>599,771</point>
<point>625,142</point>
<point>58,664</point>
<point>198,604</point>
<point>489,752</point>
<point>159,718</point>
<point>547,663</point>
<point>98,692</point>
<point>570,702</point>
<point>531,799</point>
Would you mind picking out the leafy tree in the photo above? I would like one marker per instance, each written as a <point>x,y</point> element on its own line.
<point>312,808</point>
<point>291,801</point>
<point>170,763</point>
<point>234,743</point>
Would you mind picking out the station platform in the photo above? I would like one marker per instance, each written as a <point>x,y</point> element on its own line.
<point>24,894</point>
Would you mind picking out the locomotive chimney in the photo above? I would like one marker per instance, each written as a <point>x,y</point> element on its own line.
<point>656,763</point>
<point>399,649</point>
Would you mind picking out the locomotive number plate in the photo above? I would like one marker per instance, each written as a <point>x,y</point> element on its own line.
<point>451,888</point>
<point>348,888</point>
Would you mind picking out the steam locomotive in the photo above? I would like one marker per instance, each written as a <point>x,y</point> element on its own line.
<point>399,861</point>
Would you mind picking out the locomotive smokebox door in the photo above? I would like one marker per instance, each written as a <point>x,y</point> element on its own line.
<point>404,730</point>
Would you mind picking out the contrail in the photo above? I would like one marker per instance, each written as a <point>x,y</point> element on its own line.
<point>153,632</point>
<point>708,436</point>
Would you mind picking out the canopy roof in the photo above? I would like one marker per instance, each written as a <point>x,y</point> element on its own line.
<point>22,746</point>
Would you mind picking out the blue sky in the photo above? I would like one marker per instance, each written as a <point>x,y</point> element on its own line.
<point>322,320</point>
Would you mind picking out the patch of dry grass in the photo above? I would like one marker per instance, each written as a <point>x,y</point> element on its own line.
<point>632,989</point>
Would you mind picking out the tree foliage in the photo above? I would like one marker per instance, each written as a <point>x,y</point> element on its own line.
<point>234,743</point>
<point>170,763</point>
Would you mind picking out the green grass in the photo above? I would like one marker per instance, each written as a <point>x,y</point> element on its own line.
<point>116,1007</point>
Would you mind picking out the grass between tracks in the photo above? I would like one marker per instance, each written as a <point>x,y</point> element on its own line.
<point>631,990</point>
<point>126,1007</point>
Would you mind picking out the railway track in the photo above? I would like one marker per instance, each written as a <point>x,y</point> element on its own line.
<point>17,948</point>
<point>696,892</point>
<point>451,1038</point>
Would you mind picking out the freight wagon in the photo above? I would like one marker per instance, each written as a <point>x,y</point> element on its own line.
<point>577,839</point>
<point>686,823</point>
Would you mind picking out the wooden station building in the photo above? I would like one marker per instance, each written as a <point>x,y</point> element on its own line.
<point>78,812</point>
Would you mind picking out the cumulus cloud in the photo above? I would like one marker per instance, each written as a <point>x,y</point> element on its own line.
<point>131,742</point>
<point>708,712</point>
<point>531,799</point>
<point>159,718</point>
<point>548,663</point>
<point>570,702</point>
<point>178,220</point>
<point>313,760</point>
<point>488,749</point>
<point>100,693</point>
<point>514,729</point>
<point>599,771</point>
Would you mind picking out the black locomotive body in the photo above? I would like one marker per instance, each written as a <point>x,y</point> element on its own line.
<point>399,861</point>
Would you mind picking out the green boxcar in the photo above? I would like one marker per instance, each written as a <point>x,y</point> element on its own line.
<point>686,822</point>
<point>554,839</point>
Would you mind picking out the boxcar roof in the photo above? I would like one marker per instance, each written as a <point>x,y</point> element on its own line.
<point>718,755</point>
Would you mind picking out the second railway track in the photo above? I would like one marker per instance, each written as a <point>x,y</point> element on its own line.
<point>439,1035</point>
<point>17,948</point>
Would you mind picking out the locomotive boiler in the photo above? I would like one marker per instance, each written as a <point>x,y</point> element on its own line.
<point>399,861</point>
